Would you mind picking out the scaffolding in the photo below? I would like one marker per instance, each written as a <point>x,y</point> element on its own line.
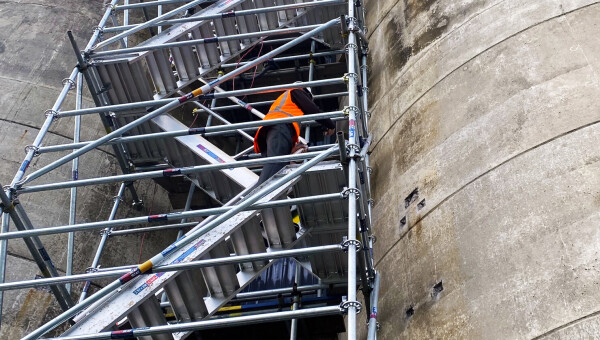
<point>314,213</point>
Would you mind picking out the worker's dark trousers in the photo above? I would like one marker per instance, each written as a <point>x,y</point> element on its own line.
<point>279,143</point>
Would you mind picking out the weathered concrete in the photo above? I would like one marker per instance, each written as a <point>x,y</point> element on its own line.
<point>490,109</point>
<point>34,58</point>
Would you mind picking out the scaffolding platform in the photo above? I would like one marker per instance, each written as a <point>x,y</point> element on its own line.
<point>180,108</point>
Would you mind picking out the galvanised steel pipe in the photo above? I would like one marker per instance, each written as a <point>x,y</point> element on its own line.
<point>104,237</point>
<point>151,229</point>
<point>209,131</point>
<point>372,328</point>
<point>182,242</point>
<point>147,4</point>
<point>177,102</point>
<point>293,57</point>
<point>165,217</point>
<point>274,88</point>
<point>351,48</point>
<point>210,324</point>
<point>222,15</point>
<point>223,120</point>
<point>281,31</point>
<point>151,103</point>
<point>147,24</point>
<point>74,177</point>
<point>269,102</point>
<point>167,173</point>
<point>38,140</point>
<point>42,261</point>
<point>178,267</point>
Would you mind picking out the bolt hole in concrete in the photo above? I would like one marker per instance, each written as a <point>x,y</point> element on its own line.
<point>402,222</point>
<point>421,205</point>
<point>412,197</point>
<point>410,312</point>
<point>437,289</point>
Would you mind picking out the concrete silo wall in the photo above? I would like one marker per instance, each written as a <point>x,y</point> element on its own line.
<point>35,56</point>
<point>490,110</point>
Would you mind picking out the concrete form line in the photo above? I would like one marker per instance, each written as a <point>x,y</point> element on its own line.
<point>471,59</point>
<point>568,324</point>
<point>591,124</point>
<point>54,133</point>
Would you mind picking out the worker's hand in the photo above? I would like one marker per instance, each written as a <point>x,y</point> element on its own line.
<point>329,132</point>
<point>299,148</point>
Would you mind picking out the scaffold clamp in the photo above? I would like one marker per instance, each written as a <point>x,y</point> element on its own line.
<point>349,46</point>
<point>6,209</point>
<point>347,243</point>
<point>347,77</point>
<point>91,270</point>
<point>52,113</point>
<point>70,82</point>
<point>346,193</point>
<point>346,305</point>
<point>35,149</point>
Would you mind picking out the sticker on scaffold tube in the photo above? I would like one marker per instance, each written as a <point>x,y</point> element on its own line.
<point>179,259</point>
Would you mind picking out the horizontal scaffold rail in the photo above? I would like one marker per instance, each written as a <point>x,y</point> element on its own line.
<point>228,14</point>
<point>209,131</point>
<point>153,103</point>
<point>209,324</point>
<point>241,36</point>
<point>237,259</point>
<point>168,172</point>
<point>166,217</point>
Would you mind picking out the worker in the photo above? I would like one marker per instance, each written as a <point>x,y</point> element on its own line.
<point>281,139</point>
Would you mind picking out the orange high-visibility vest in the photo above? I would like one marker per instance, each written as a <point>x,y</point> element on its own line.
<point>283,107</point>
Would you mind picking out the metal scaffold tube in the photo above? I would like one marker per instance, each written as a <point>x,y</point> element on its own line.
<point>209,324</point>
<point>373,325</point>
<point>167,172</point>
<point>151,103</point>
<point>105,233</point>
<point>270,33</point>
<point>147,24</point>
<point>37,251</point>
<point>127,6</point>
<point>229,14</point>
<point>209,131</point>
<point>74,177</point>
<point>175,103</point>
<point>111,273</point>
<point>351,47</point>
<point>187,239</point>
<point>164,217</point>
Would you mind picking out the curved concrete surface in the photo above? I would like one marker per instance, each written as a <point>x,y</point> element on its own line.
<point>490,110</point>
